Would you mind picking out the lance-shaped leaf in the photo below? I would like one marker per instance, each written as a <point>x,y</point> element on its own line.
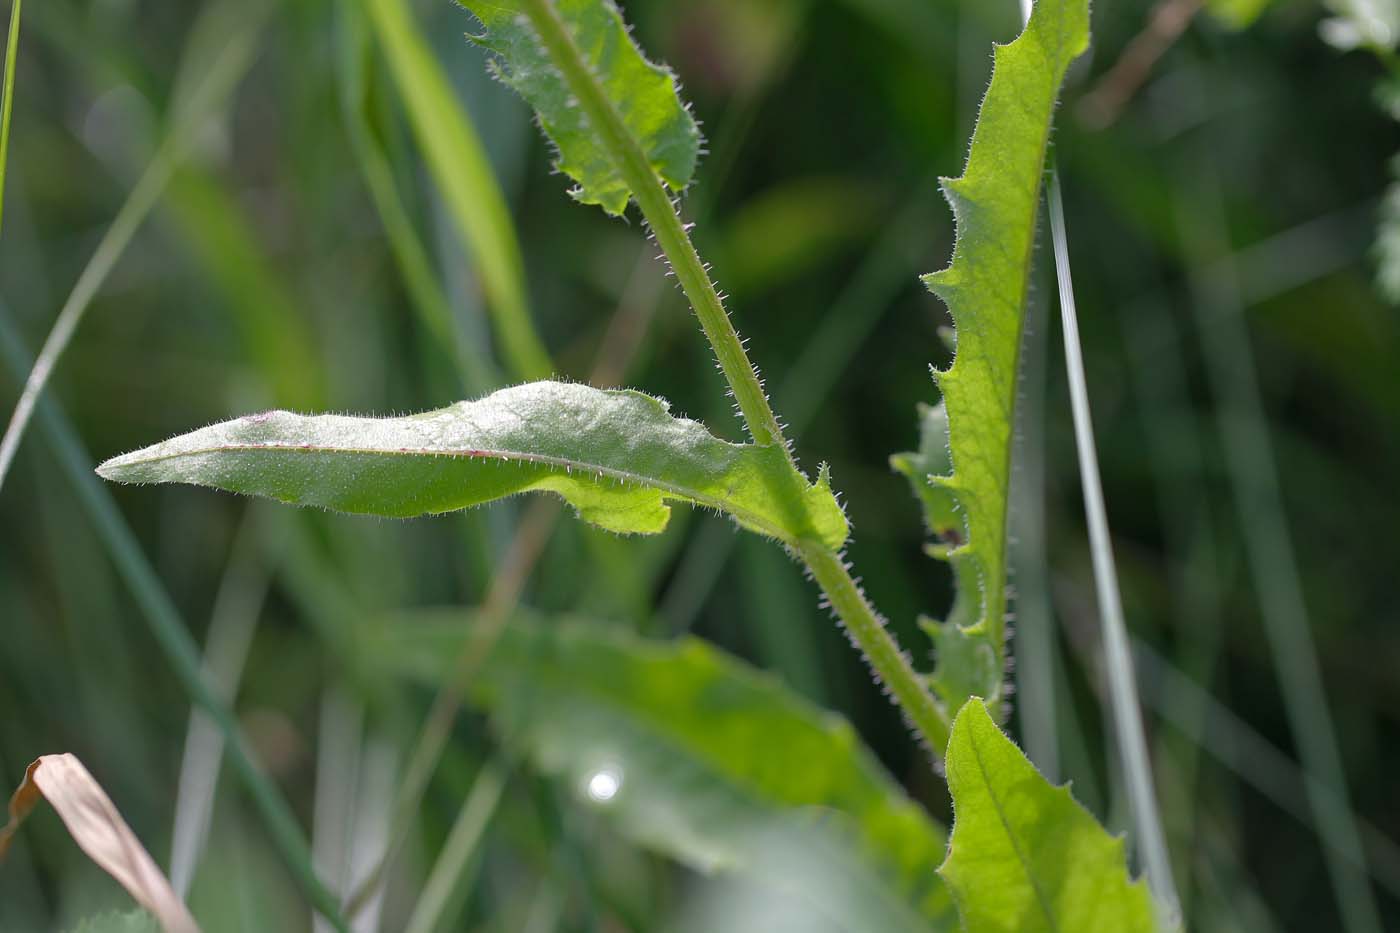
<point>616,456</point>
<point>644,95</point>
<point>697,755</point>
<point>1024,855</point>
<point>995,204</point>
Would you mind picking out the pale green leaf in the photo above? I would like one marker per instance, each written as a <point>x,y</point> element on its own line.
<point>644,95</point>
<point>1024,855</point>
<point>702,758</point>
<point>995,204</point>
<point>616,456</point>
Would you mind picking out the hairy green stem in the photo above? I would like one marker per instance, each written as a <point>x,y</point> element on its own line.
<point>660,214</point>
<point>889,662</point>
<point>882,651</point>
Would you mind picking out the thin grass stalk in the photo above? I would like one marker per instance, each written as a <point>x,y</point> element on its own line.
<point>1027,557</point>
<point>224,73</point>
<point>170,632</point>
<point>452,871</point>
<point>428,298</point>
<point>233,620</point>
<point>1127,711</point>
<point>460,166</point>
<point>1234,743</point>
<point>7,103</point>
<point>1273,564</point>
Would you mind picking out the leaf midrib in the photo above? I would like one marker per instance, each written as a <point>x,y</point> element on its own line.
<point>1021,859</point>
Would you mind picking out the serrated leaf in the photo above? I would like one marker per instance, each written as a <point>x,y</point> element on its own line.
<point>643,94</point>
<point>706,759</point>
<point>995,203</point>
<point>1024,855</point>
<point>617,456</point>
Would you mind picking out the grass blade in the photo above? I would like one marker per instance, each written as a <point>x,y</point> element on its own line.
<point>7,104</point>
<point>1273,565</point>
<point>430,301</point>
<point>171,633</point>
<point>463,173</point>
<point>1123,698</point>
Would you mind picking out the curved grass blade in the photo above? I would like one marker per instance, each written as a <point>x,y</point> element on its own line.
<point>99,830</point>
<point>7,101</point>
<point>995,204</point>
<point>616,456</point>
<point>697,755</point>
<point>1024,855</point>
<point>460,168</point>
<point>643,94</point>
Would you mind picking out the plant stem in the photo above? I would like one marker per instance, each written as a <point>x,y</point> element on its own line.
<point>888,660</point>
<point>666,226</point>
<point>862,622</point>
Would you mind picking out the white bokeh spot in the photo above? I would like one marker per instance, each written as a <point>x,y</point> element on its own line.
<point>604,784</point>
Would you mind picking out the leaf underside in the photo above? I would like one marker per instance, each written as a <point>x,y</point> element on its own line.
<point>994,203</point>
<point>617,456</point>
<point>717,764</point>
<point>644,95</point>
<point>1024,855</point>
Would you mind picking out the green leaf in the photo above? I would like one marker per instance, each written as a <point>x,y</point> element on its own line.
<point>616,456</point>
<point>644,95</point>
<point>1025,856</point>
<point>995,204</point>
<point>708,760</point>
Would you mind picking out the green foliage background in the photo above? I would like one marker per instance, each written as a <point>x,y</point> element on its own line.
<point>1255,159</point>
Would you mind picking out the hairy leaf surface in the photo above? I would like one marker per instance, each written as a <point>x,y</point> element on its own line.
<point>1024,855</point>
<point>995,204</point>
<point>643,94</point>
<point>711,761</point>
<point>616,456</point>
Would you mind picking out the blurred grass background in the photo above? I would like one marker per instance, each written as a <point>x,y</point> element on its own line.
<point>305,255</point>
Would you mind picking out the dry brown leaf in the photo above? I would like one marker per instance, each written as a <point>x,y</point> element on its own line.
<point>99,830</point>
